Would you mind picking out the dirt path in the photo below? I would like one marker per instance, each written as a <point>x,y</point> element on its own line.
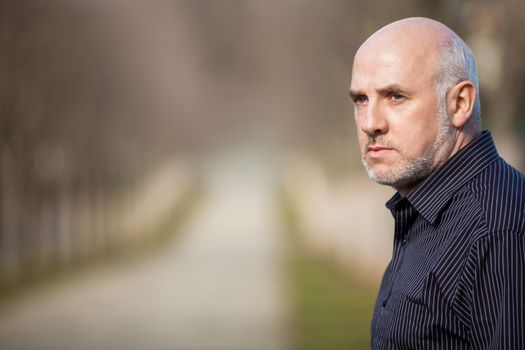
<point>218,287</point>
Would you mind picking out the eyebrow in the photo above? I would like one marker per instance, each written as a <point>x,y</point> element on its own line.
<point>355,93</point>
<point>389,89</point>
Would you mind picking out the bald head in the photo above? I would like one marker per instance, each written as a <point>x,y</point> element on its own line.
<point>418,34</point>
<point>432,45</point>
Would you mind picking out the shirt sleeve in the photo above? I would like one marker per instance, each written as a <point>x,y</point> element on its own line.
<point>495,277</point>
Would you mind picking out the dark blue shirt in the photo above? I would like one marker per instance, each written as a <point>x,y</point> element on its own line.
<point>457,276</point>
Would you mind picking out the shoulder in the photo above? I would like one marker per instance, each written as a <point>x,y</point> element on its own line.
<point>499,191</point>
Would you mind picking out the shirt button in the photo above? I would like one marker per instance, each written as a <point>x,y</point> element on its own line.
<point>403,242</point>
<point>384,303</point>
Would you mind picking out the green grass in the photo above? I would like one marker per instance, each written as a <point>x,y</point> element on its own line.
<point>332,306</point>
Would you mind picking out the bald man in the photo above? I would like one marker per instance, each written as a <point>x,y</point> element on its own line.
<point>457,275</point>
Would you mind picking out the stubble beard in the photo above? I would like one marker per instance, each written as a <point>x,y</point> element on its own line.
<point>412,170</point>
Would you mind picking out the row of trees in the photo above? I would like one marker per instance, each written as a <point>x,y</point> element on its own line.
<point>94,94</point>
<point>81,132</point>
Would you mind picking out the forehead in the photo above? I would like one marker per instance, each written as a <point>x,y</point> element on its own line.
<point>387,63</point>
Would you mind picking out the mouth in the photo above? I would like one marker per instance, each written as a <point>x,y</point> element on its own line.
<point>377,151</point>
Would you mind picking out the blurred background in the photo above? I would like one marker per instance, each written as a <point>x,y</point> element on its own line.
<point>184,174</point>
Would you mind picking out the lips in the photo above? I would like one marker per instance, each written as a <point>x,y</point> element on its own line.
<point>377,148</point>
<point>377,151</point>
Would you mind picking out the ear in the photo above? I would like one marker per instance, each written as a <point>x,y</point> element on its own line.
<point>461,98</point>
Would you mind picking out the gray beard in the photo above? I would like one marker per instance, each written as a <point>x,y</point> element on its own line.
<point>416,169</point>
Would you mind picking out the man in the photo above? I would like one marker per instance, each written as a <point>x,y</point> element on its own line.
<point>457,276</point>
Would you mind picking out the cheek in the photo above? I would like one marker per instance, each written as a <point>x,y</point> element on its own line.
<point>416,131</point>
<point>362,138</point>
<point>423,140</point>
<point>358,129</point>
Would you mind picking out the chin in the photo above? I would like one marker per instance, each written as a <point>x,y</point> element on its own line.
<point>397,178</point>
<point>379,173</point>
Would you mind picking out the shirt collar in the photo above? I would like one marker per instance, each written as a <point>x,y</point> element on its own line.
<point>431,195</point>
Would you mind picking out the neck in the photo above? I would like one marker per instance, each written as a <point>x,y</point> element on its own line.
<point>463,138</point>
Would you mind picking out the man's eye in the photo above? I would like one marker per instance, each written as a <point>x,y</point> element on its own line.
<point>396,97</point>
<point>360,99</point>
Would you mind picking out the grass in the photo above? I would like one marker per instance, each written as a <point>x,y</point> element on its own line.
<point>332,306</point>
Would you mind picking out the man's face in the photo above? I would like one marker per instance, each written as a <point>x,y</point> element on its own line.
<point>402,136</point>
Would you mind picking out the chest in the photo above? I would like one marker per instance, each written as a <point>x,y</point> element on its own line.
<point>415,301</point>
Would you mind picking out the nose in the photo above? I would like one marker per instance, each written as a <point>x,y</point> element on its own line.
<point>375,122</point>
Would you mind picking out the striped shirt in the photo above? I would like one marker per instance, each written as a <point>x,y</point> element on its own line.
<point>457,275</point>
